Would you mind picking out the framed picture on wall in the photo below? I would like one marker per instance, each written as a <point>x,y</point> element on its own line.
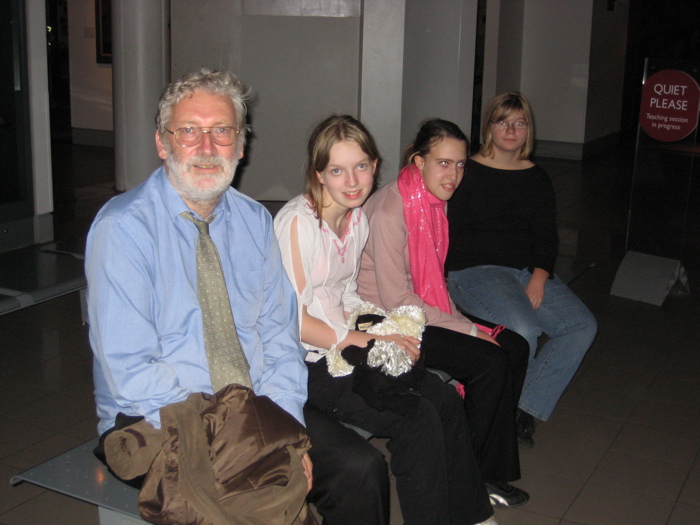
<point>103,31</point>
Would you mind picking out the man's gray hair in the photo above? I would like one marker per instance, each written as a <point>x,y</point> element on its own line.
<point>216,82</point>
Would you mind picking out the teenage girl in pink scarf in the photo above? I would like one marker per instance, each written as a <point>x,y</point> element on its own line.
<point>403,263</point>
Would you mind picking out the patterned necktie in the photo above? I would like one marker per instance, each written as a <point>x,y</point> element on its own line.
<point>227,362</point>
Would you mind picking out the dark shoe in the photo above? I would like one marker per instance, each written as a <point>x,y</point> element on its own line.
<point>525,441</point>
<point>525,424</point>
<point>505,495</point>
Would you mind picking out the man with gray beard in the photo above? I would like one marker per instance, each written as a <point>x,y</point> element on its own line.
<point>147,326</point>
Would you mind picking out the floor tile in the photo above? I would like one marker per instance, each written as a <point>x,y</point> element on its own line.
<point>41,451</point>
<point>669,387</point>
<point>642,474</point>
<point>550,495</point>
<point>521,516</point>
<point>598,505</point>
<point>14,394</point>
<point>14,495</point>
<point>84,388</point>
<point>84,430</point>
<point>652,442</point>
<point>52,508</point>
<point>684,363</point>
<point>684,514</point>
<point>17,435</point>
<point>55,373</point>
<point>669,416</point>
<point>598,402</point>
<point>570,445</point>
<point>691,490</point>
<point>54,412</point>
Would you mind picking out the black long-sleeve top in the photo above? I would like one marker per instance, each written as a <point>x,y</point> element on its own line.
<point>504,218</point>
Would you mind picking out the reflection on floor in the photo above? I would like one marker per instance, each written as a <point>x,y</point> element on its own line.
<point>621,448</point>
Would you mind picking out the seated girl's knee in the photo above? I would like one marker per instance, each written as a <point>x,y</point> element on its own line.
<point>369,464</point>
<point>591,327</point>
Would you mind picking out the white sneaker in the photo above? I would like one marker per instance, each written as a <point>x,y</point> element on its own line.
<point>490,521</point>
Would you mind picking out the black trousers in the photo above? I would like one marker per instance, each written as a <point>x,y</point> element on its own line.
<point>351,483</point>
<point>437,476</point>
<point>493,378</point>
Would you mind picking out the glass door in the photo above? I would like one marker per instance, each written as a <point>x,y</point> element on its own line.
<point>16,197</point>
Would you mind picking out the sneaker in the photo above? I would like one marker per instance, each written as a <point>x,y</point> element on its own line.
<point>490,521</point>
<point>504,494</point>
<point>525,425</point>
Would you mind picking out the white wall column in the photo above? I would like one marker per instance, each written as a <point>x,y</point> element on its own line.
<point>141,68</point>
<point>39,115</point>
<point>382,79</point>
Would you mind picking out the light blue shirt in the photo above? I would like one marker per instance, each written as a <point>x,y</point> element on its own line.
<point>145,322</point>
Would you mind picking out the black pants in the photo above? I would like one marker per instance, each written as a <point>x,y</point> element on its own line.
<point>351,483</point>
<point>437,475</point>
<point>493,378</point>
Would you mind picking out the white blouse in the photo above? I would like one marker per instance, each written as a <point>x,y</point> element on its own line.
<point>330,265</point>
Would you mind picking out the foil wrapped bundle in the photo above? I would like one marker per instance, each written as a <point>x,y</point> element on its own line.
<point>391,359</point>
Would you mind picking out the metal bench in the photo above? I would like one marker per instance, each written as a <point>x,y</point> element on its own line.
<point>32,275</point>
<point>79,474</point>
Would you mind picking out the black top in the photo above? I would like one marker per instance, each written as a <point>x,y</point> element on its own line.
<point>503,218</point>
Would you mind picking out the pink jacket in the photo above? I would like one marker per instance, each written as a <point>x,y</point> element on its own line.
<point>385,269</point>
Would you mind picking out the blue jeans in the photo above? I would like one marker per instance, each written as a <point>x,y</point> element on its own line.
<point>497,294</point>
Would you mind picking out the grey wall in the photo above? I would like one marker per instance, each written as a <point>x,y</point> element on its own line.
<point>205,33</point>
<point>438,74</point>
<point>382,78</point>
<point>389,62</point>
<point>302,69</point>
<point>606,71</point>
<point>568,59</point>
<point>302,61</point>
<point>510,54</point>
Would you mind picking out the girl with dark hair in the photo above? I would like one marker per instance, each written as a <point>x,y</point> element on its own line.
<point>503,245</point>
<point>403,263</point>
<point>321,235</point>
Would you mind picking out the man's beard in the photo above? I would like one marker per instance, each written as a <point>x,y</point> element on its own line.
<point>184,181</point>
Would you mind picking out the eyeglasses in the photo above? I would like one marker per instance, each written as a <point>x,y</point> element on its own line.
<point>192,135</point>
<point>517,125</point>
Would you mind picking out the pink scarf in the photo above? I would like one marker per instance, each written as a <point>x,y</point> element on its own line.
<point>428,238</point>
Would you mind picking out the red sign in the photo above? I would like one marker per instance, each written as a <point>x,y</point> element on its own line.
<point>670,101</point>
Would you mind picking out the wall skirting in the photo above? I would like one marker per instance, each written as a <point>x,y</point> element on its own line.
<point>16,234</point>
<point>574,150</point>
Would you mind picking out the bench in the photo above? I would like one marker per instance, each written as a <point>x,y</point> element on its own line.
<point>79,474</point>
<point>35,274</point>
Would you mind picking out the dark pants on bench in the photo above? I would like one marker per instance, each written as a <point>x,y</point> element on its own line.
<point>351,482</point>
<point>437,476</point>
<point>493,379</point>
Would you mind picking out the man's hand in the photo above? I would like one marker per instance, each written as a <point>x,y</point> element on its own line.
<point>308,470</point>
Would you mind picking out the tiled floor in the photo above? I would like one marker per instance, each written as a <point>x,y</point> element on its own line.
<point>621,448</point>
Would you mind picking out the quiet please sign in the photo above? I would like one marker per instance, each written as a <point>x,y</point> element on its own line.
<point>669,108</point>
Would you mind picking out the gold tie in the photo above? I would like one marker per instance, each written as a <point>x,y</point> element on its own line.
<point>227,362</point>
